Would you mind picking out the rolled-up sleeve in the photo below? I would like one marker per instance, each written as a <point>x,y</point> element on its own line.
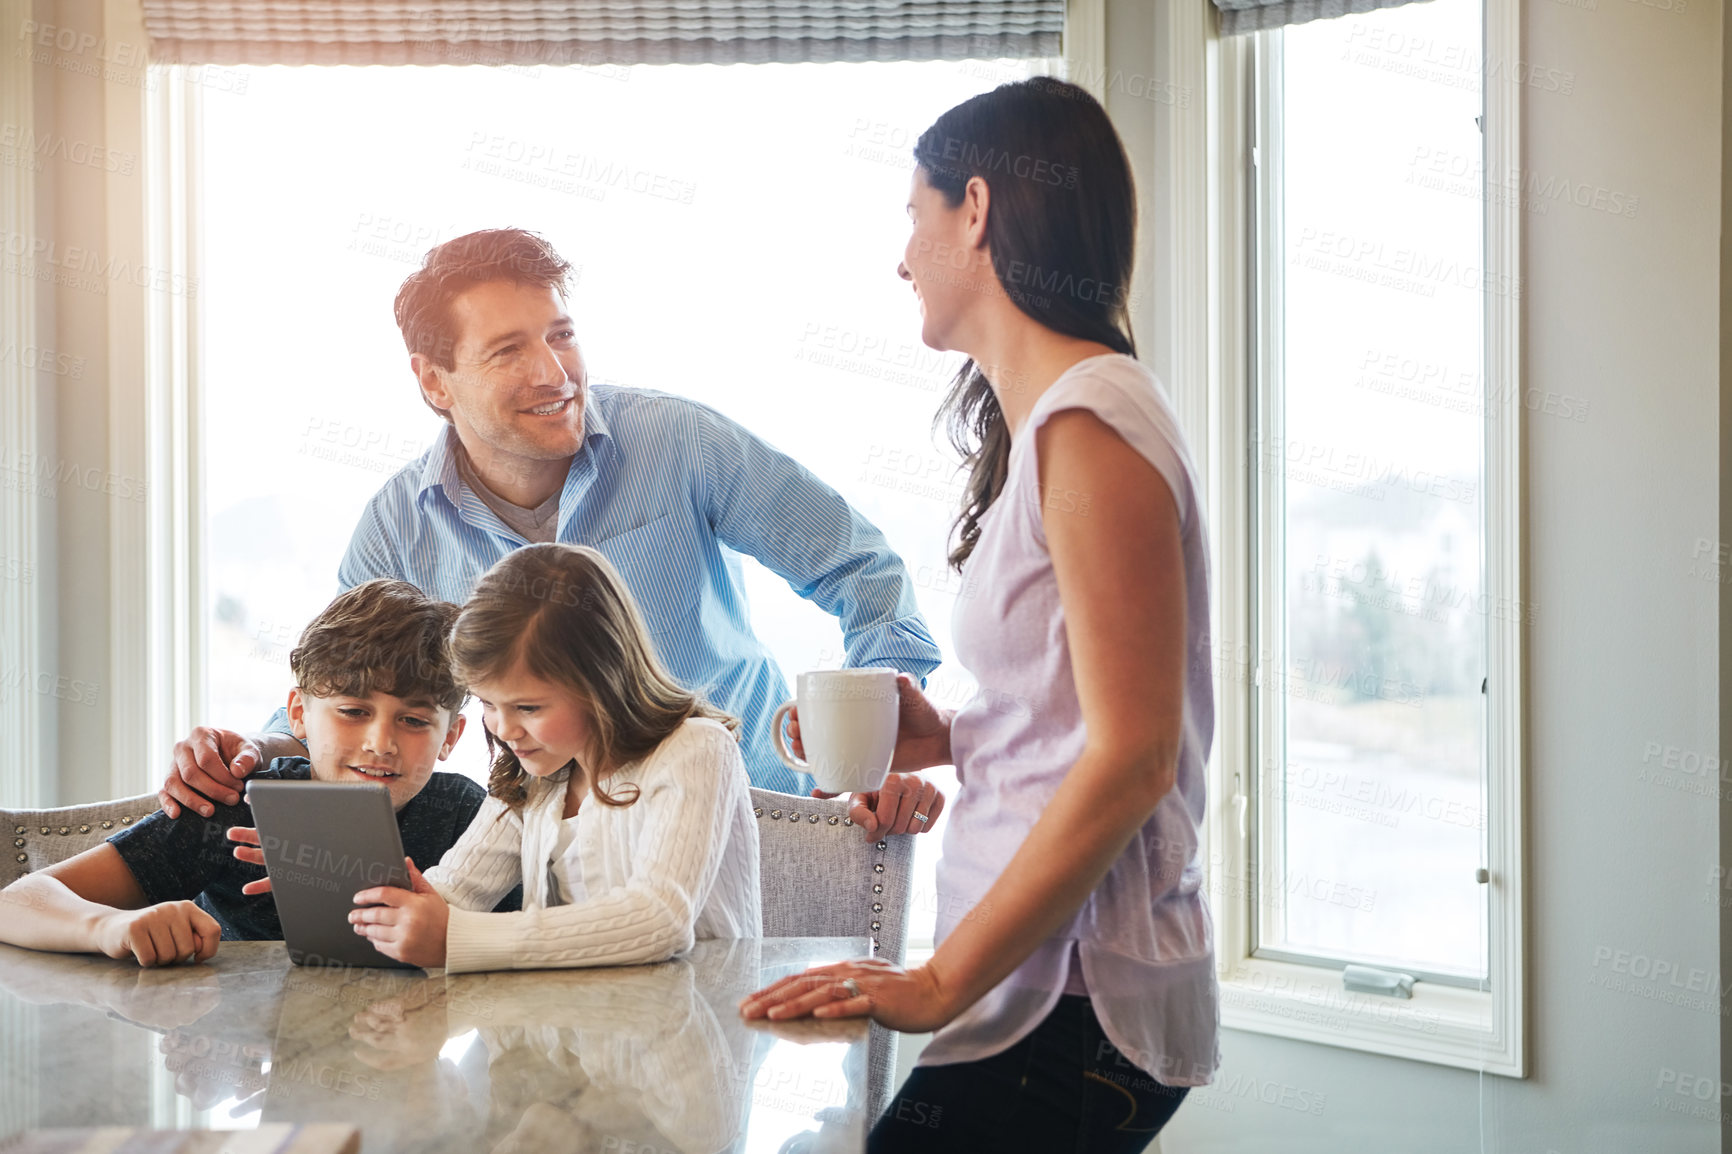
<point>763,503</point>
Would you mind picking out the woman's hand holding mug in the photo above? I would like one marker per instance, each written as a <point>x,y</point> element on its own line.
<point>903,802</point>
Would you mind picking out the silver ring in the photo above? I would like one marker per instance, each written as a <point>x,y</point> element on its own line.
<point>852,987</point>
<point>920,817</point>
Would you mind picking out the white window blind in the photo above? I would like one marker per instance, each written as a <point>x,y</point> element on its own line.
<point>598,32</point>
<point>1255,15</point>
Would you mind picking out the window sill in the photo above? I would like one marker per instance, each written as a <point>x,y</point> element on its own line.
<point>1442,1025</point>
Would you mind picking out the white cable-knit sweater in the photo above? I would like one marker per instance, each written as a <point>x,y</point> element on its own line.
<point>678,864</point>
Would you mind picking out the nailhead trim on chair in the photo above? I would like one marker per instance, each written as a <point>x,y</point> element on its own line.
<point>794,816</point>
<point>19,843</point>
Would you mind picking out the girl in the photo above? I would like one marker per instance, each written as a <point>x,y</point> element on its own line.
<point>1073,989</point>
<point>617,798</point>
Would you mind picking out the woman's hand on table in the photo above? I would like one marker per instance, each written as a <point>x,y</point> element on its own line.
<point>912,1001</point>
<point>406,925</point>
<point>165,934</point>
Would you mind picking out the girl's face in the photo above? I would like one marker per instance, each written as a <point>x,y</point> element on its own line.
<point>546,725</point>
<point>947,260</point>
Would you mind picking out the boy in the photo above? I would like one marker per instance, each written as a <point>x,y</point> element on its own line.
<point>375,699</point>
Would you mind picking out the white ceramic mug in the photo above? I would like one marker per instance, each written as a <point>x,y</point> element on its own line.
<point>847,727</point>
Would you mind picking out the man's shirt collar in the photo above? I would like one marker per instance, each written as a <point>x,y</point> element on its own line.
<point>440,468</point>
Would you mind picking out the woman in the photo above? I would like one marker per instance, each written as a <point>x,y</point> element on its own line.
<point>1075,1000</point>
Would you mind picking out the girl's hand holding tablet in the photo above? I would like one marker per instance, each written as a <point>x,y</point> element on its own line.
<point>406,925</point>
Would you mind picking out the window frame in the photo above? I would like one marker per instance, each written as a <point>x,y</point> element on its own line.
<point>1479,1029</point>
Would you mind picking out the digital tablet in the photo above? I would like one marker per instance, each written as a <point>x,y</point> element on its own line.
<point>323,844</point>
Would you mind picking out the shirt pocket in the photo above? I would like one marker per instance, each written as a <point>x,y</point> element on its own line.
<point>662,568</point>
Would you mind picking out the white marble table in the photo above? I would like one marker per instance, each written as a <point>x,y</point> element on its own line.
<point>638,1060</point>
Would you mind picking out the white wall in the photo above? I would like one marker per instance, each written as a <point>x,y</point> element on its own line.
<point>73,258</point>
<point>1623,652</point>
<point>73,116</point>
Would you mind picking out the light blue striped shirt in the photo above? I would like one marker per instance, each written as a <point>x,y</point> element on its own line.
<point>660,485</point>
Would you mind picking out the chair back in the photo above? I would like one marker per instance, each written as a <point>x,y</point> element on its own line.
<point>41,837</point>
<point>821,878</point>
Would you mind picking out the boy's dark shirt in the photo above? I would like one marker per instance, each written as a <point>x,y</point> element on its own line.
<point>189,858</point>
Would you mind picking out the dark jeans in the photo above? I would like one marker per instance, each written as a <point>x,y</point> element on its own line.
<point>1062,1089</point>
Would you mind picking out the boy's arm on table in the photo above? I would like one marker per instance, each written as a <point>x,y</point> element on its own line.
<point>92,903</point>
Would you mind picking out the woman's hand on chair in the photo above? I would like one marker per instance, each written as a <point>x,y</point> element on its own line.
<point>905,803</point>
<point>911,1001</point>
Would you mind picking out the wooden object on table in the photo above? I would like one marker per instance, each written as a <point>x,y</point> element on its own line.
<point>273,1138</point>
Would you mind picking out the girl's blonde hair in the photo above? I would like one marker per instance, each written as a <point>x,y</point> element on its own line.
<point>564,612</point>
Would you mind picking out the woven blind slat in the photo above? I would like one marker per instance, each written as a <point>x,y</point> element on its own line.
<point>1242,16</point>
<point>597,31</point>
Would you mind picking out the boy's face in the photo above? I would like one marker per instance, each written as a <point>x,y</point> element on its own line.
<point>379,738</point>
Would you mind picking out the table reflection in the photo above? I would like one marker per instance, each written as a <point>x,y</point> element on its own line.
<point>636,1060</point>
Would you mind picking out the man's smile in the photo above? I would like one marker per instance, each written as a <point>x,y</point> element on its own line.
<point>553,408</point>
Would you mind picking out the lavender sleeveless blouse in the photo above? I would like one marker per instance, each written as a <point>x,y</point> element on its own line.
<point>1144,935</point>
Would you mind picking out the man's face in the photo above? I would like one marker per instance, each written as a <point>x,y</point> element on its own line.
<point>517,384</point>
<point>378,738</point>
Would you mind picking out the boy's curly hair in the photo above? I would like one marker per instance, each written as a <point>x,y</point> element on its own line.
<point>382,636</point>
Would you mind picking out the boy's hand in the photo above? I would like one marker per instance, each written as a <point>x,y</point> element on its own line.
<point>407,925</point>
<point>248,851</point>
<point>209,764</point>
<point>165,934</point>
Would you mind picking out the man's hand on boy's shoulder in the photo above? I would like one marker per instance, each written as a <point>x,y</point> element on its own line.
<point>209,765</point>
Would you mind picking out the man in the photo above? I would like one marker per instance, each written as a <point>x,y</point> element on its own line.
<point>657,482</point>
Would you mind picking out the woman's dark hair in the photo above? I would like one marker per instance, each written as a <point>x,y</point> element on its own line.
<point>564,612</point>
<point>1061,223</point>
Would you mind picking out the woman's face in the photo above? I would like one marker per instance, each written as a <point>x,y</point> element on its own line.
<point>545,725</point>
<point>946,260</point>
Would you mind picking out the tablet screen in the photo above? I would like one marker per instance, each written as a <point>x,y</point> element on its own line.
<point>324,843</point>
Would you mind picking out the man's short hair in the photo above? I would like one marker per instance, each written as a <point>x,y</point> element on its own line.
<point>382,636</point>
<point>423,305</point>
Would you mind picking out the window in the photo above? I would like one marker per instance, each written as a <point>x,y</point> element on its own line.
<point>736,231</point>
<point>1370,614</point>
<point>1369,507</point>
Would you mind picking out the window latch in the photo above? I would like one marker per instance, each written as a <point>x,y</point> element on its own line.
<point>1385,983</point>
